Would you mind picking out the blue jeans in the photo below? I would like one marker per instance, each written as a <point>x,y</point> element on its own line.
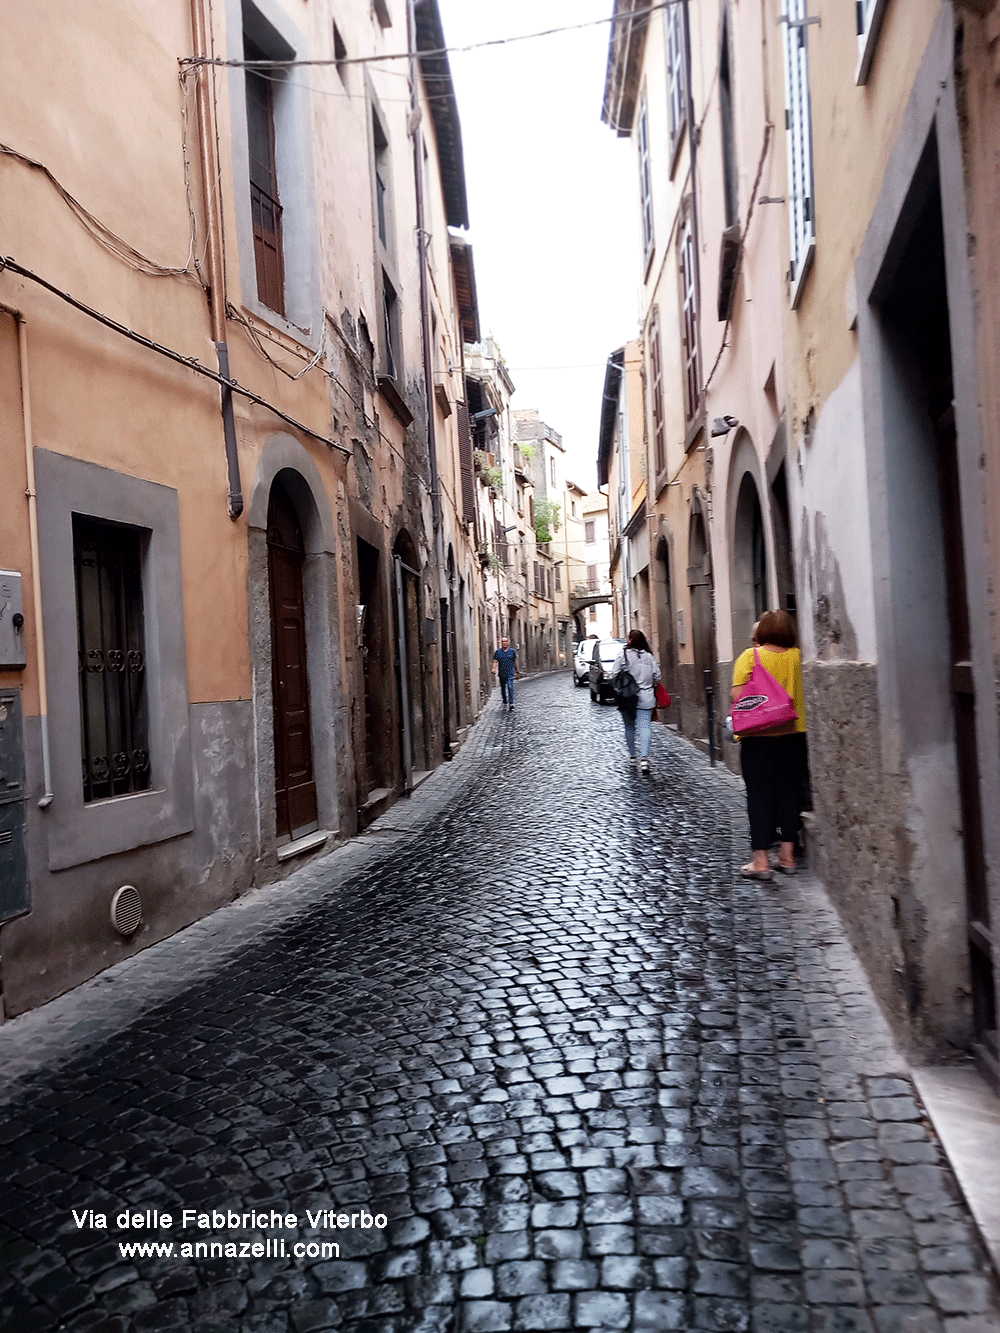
<point>639,727</point>
<point>507,691</point>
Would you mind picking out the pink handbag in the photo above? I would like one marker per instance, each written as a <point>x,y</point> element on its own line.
<point>764,702</point>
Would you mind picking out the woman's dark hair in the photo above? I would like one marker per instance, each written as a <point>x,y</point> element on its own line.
<point>638,641</point>
<point>777,627</point>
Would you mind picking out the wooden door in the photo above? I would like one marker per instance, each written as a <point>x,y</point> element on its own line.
<point>294,780</point>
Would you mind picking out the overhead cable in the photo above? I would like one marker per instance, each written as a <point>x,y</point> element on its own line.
<point>190,362</point>
<point>435,51</point>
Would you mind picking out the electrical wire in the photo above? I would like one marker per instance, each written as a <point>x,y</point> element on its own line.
<point>100,231</point>
<point>423,55</point>
<point>190,362</point>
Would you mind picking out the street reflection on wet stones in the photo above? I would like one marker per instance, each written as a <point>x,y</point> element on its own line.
<point>573,1071</point>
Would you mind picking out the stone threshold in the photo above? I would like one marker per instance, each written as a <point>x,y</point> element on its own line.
<point>299,846</point>
<point>965,1113</point>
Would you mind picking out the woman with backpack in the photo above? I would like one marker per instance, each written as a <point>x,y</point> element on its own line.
<point>637,705</point>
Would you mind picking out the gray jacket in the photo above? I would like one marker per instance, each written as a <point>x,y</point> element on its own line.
<point>645,669</point>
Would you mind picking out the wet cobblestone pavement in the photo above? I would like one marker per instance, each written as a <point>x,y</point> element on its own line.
<point>587,1077</point>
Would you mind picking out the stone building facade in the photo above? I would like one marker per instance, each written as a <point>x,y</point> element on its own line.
<point>249,602</point>
<point>837,327</point>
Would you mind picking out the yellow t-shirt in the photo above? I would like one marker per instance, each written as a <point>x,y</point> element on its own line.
<point>786,668</point>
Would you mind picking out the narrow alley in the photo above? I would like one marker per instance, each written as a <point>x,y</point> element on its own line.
<point>532,1026</point>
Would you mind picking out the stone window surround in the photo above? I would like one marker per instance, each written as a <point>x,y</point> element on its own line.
<point>273,31</point>
<point>78,833</point>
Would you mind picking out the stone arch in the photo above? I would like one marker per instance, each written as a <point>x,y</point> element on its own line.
<point>289,477</point>
<point>664,605</point>
<point>750,554</point>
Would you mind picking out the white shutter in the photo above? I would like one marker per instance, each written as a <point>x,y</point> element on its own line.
<point>798,124</point>
<point>645,181</point>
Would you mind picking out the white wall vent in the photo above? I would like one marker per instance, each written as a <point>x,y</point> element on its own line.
<point>126,910</point>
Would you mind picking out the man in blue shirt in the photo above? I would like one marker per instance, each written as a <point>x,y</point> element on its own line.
<point>505,669</point>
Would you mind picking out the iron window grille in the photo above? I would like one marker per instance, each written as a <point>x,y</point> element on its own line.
<point>114,712</point>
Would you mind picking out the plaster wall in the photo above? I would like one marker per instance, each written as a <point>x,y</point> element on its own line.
<point>832,533</point>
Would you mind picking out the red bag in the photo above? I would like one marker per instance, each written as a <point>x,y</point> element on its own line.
<point>764,702</point>
<point>662,696</point>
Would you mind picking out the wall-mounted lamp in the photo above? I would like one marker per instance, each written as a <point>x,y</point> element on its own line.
<point>486,412</point>
<point>723,425</point>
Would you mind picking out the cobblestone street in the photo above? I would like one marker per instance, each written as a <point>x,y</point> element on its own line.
<point>534,1021</point>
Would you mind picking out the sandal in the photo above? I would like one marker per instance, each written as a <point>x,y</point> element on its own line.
<point>749,872</point>
<point>786,870</point>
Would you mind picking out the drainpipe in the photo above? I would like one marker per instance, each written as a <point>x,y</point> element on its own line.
<point>36,575</point>
<point>216,266</point>
<point>425,318</point>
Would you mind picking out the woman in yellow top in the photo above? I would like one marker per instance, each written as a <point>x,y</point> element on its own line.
<point>773,760</point>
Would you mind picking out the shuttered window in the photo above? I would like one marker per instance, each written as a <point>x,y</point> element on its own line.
<point>676,91</point>
<point>265,209</point>
<point>114,715</point>
<point>656,382</point>
<point>645,182</point>
<point>798,125</point>
<point>689,318</point>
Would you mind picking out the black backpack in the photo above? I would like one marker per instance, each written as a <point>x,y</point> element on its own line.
<point>626,688</point>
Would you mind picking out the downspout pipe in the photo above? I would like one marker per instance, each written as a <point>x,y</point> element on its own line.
<point>213,248</point>
<point>36,573</point>
<point>425,318</point>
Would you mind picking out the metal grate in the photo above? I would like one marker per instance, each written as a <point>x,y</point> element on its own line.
<point>126,910</point>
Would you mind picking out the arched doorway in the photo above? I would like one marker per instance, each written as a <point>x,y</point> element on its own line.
<point>664,612</point>
<point>410,665</point>
<point>749,577</point>
<point>294,776</point>
<point>700,584</point>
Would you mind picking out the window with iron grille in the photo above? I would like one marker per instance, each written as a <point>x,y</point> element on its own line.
<point>265,208</point>
<point>656,388</point>
<point>798,127</point>
<point>689,316</point>
<point>590,530</point>
<point>107,563</point>
<point>645,181</point>
<point>677,92</point>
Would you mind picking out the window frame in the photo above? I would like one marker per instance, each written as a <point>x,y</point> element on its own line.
<point>80,832</point>
<point>269,249</point>
<point>690,314</point>
<point>590,531</point>
<point>677,108</point>
<point>645,181</point>
<point>869,15</point>
<point>798,137</point>
<point>656,393</point>
<point>275,33</point>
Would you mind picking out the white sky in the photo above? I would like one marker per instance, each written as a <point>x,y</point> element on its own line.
<point>552,206</point>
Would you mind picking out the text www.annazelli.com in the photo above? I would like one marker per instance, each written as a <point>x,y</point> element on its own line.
<point>229,1249</point>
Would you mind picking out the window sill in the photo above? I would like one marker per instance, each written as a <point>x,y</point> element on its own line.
<point>675,151</point>
<point>695,429</point>
<point>867,43</point>
<point>798,281</point>
<point>256,311</point>
<point>387,388</point>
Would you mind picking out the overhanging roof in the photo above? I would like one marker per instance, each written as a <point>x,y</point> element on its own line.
<point>626,46</point>
<point>609,413</point>
<point>444,110</point>
<point>465,287</point>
